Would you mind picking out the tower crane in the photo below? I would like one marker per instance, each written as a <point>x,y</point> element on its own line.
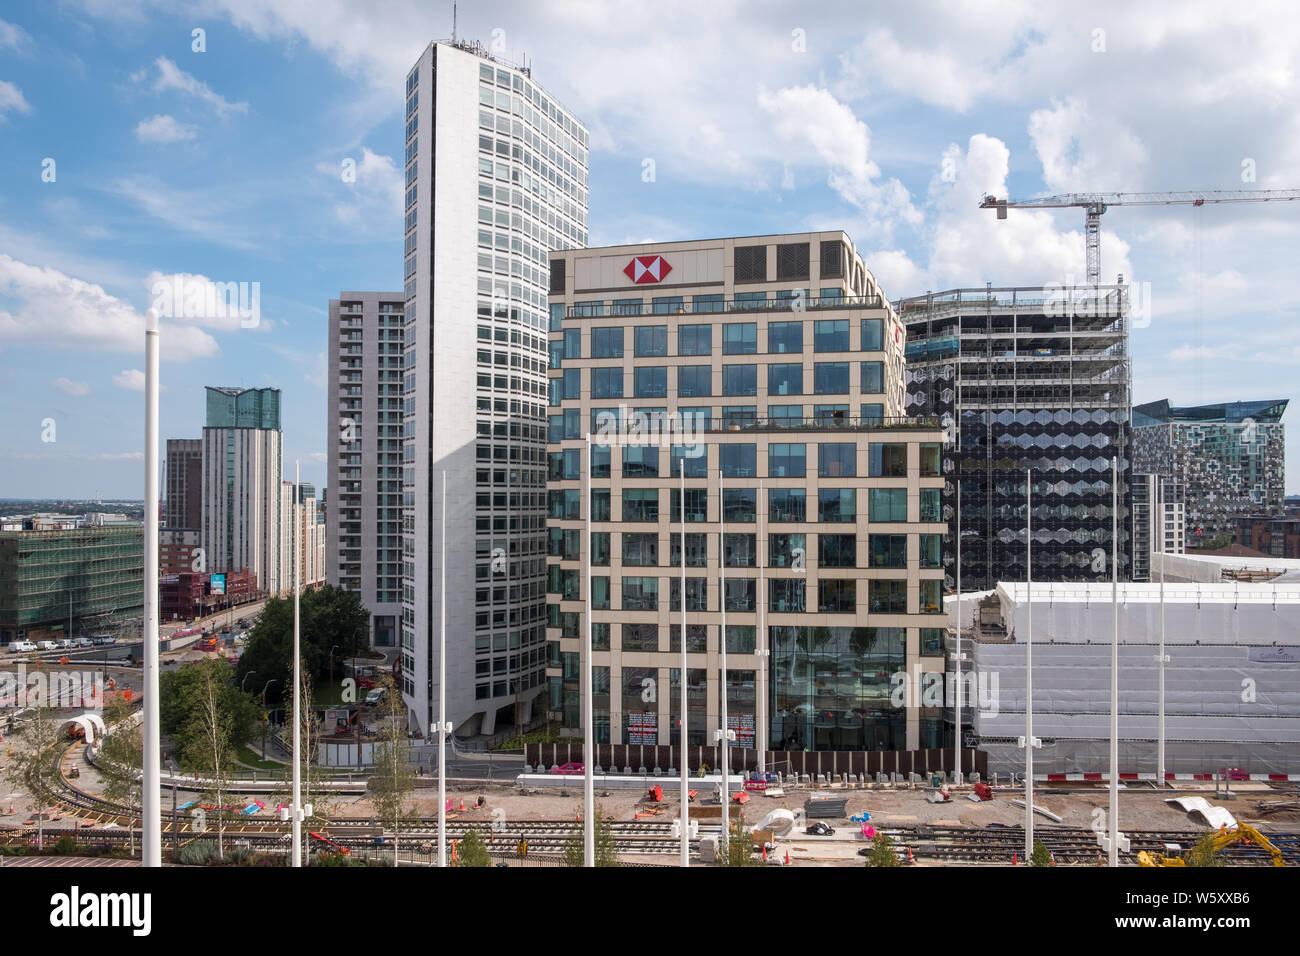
<point>1094,204</point>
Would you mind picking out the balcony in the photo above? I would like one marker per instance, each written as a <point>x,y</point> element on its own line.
<point>726,307</point>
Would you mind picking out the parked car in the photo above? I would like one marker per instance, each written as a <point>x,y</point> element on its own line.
<point>568,768</point>
<point>21,647</point>
<point>82,642</point>
<point>376,695</point>
<point>64,644</point>
<point>48,646</point>
<point>103,640</point>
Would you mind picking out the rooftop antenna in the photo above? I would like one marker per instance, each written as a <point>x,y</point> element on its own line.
<point>453,22</point>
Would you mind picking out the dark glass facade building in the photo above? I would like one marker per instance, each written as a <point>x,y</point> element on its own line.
<point>1027,378</point>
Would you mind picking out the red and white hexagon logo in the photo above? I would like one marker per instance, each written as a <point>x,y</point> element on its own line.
<point>644,269</point>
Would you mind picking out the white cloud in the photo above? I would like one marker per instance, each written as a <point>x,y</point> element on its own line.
<point>195,300</point>
<point>1083,152</point>
<point>11,98</point>
<point>1185,353</point>
<point>132,379</point>
<point>12,36</point>
<point>198,212</point>
<point>172,77</point>
<point>376,194</point>
<point>63,312</point>
<point>164,129</point>
<point>71,387</point>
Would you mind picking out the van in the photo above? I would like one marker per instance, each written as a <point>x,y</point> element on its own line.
<point>376,695</point>
<point>21,647</point>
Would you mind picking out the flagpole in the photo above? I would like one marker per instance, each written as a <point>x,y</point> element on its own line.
<point>761,638</point>
<point>686,793</point>
<point>1029,666</point>
<point>297,680</point>
<point>1114,665</point>
<point>722,643</point>
<point>151,798</point>
<point>588,754</point>
<point>956,746</point>
<point>442,688</point>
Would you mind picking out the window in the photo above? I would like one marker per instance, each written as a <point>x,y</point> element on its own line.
<point>873,378</point>
<point>739,338</point>
<point>740,594</point>
<point>695,339</point>
<point>931,553</point>
<point>600,504</point>
<point>832,259</point>
<point>785,461</point>
<point>792,261</point>
<point>600,593</point>
<point>872,335</point>
<point>740,380</point>
<point>697,638</point>
<point>836,596</point>
<point>564,465</point>
<point>589,309</point>
<point>931,506</point>
<point>626,307</point>
<point>599,461</point>
<point>696,594</point>
<point>786,550</point>
<point>600,548</point>
<point>697,550</point>
<point>696,458</point>
<point>873,413</point>
<point>837,460</point>
<point>837,504</point>
<point>738,505</point>
<point>831,378</point>
<point>694,381</point>
<point>930,459</point>
<point>640,550</point>
<point>785,379</point>
<point>638,637</point>
<point>564,582</point>
<point>786,504</point>
<point>750,300</point>
<point>606,421</point>
<point>738,461</point>
<point>707,303</point>
<point>738,551</point>
<point>607,343</point>
<point>887,596</point>
<point>887,550</point>
<point>932,640</point>
<point>650,340</point>
<point>785,595</point>
<point>740,639</point>
<point>640,461</point>
<point>606,383</point>
<point>565,505</point>
<point>887,504</point>
<point>557,317</point>
<point>886,461</point>
<point>750,264</point>
<point>572,343</point>
<point>692,418</point>
<point>837,551</point>
<point>785,337</point>
<point>640,504</point>
<point>831,335</point>
<point>666,304</point>
<point>650,381</point>
<point>697,504</point>
<point>830,414</point>
<point>557,275</point>
<point>564,543</point>
<point>785,416</point>
<point>640,594</point>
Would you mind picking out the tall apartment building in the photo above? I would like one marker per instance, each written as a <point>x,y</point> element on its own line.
<point>364,417</point>
<point>1159,521</point>
<point>184,483</point>
<point>300,532</point>
<point>771,367</point>
<point>1027,378</point>
<point>496,178</point>
<point>1229,457</point>
<point>241,483</point>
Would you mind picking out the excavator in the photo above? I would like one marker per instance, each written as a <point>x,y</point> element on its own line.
<point>1243,833</point>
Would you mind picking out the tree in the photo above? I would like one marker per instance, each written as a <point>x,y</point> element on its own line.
<point>1041,856</point>
<point>606,853</point>
<point>392,781</point>
<point>1205,853</point>
<point>472,852</point>
<point>178,688</point>
<point>739,850</point>
<point>121,757</point>
<point>209,751</point>
<point>882,851</point>
<point>34,765</point>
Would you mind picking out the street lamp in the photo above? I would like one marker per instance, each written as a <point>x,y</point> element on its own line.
<point>332,650</point>
<point>266,716</point>
<point>244,683</point>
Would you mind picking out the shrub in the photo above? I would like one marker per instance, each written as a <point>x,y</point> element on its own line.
<point>198,853</point>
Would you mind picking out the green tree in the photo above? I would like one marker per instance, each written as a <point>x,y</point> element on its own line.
<point>1205,853</point>
<point>472,852</point>
<point>176,693</point>
<point>882,851</point>
<point>1041,855</point>
<point>606,853</point>
<point>739,850</point>
<point>121,757</point>
<point>392,782</point>
<point>33,765</point>
<point>209,749</point>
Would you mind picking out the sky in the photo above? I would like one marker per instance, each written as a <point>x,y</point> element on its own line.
<point>141,140</point>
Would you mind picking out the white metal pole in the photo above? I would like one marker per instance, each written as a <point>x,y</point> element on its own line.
<point>442,688</point>
<point>1160,742</point>
<point>589,751</point>
<point>681,688</point>
<point>1029,666</point>
<point>722,645</point>
<point>1114,665</point>
<point>956,746</point>
<point>760,647</point>
<point>297,810</point>
<point>151,797</point>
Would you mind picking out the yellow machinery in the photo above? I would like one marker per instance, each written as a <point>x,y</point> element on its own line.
<point>1244,833</point>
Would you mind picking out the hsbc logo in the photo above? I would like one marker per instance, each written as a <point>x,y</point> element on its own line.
<point>647,269</point>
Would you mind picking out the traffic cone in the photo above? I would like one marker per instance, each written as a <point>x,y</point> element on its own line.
<point>1014,858</point>
<point>787,857</point>
<point>462,804</point>
<point>910,858</point>
<point>764,852</point>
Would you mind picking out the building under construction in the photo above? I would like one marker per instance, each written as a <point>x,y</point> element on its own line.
<point>1027,378</point>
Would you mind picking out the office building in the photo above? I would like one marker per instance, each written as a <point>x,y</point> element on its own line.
<point>241,483</point>
<point>183,497</point>
<point>1027,378</point>
<point>770,361</point>
<point>496,178</point>
<point>364,521</point>
<point>1229,457</point>
<point>1159,521</point>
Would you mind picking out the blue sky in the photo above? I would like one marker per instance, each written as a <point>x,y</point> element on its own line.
<point>886,120</point>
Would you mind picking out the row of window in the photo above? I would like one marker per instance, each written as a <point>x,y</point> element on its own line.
<point>737,338</point>
<point>696,381</point>
<point>785,550</point>
<point>689,419</point>
<point>889,642</point>
<point>885,505</point>
<point>740,460</point>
